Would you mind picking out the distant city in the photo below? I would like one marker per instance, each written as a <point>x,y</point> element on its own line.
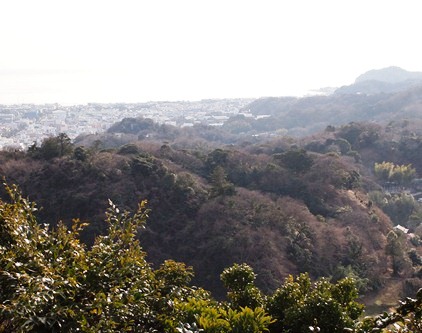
<point>26,124</point>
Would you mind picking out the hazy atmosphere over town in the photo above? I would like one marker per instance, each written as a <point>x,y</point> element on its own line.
<point>210,166</point>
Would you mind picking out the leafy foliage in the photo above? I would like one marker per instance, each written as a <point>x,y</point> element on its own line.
<point>400,207</point>
<point>396,249</point>
<point>268,203</point>
<point>51,282</point>
<point>52,147</point>
<point>398,174</point>
<point>300,304</point>
<point>295,160</point>
<point>220,184</point>
<point>239,280</point>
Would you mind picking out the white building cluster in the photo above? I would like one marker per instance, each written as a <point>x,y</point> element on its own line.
<point>22,125</point>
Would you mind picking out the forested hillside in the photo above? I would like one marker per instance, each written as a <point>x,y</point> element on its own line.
<point>340,203</point>
<point>283,206</point>
<point>50,282</point>
<point>304,116</point>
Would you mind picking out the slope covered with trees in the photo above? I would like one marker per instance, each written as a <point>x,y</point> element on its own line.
<point>299,117</point>
<point>283,206</point>
<point>285,234</point>
<point>50,282</point>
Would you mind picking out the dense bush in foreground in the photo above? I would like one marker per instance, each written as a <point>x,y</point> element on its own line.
<point>51,282</point>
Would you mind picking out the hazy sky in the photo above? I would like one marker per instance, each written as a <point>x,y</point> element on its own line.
<point>80,51</point>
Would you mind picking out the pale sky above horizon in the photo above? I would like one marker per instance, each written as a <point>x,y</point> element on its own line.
<point>81,51</point>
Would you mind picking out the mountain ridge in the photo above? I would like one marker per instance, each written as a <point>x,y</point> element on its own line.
<point>392,74</point>
<point>385,80</point>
